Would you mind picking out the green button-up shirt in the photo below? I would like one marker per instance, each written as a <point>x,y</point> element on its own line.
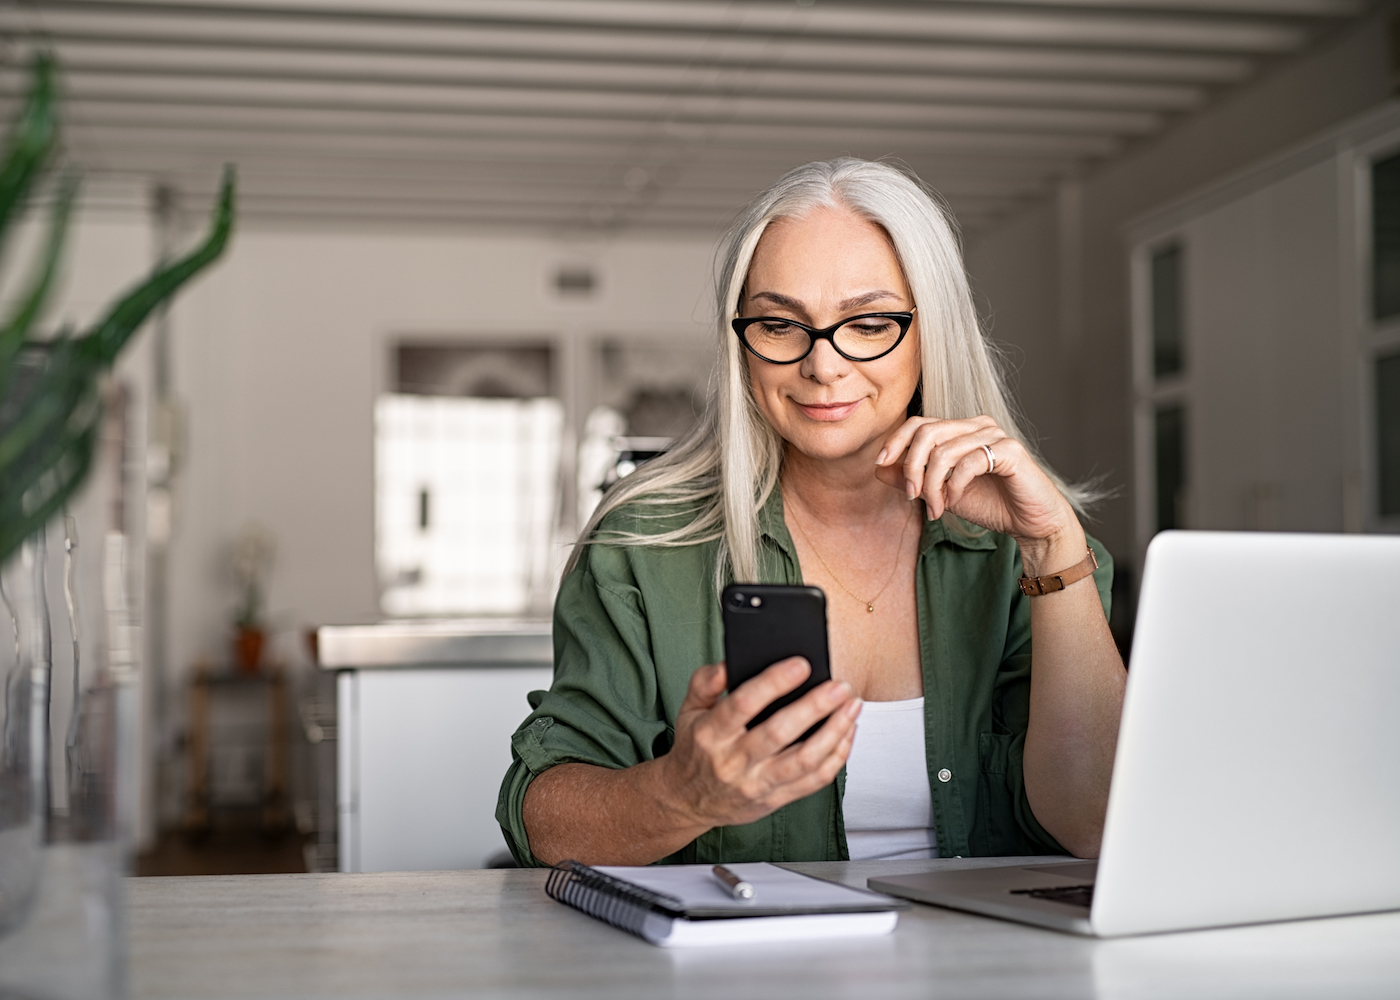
<point>632,623</point>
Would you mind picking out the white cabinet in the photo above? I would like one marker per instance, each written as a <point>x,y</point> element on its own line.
<point>425,740</point>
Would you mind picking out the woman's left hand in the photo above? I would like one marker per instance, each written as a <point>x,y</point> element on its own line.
<point>945,462</point>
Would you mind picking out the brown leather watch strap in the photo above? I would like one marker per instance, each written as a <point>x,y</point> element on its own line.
<point>1039,586</point>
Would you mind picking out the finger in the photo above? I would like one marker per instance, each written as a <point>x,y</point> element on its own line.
<point>891,475</point>
<point>803,758</point>
<point>946,459</point>
<point>919,454</point>
<point>896,444</point>
<point>931,441</point>
<point>816,778</point>
<point>974,463</point>
<point>757,693</point>
<point>786,725</point>
<point>706,686</point>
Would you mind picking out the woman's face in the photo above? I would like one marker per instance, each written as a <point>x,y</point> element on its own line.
<point>820,269</point>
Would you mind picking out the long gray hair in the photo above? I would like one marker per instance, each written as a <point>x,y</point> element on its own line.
<point>725,469</point>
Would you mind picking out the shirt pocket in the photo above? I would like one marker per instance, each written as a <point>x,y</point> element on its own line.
<point>996,830</point>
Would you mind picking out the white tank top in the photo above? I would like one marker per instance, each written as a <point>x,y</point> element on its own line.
<point>887,805</point>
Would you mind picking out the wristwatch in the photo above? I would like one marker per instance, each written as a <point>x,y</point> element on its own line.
<point>1039,586</point>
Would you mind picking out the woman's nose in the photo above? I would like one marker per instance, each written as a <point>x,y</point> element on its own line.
<point>824,365</point>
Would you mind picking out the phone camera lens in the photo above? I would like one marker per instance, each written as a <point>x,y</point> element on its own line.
<point>738,600</point>
<point>755,602</point>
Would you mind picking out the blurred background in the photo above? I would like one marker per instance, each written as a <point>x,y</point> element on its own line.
<point>471,285</point>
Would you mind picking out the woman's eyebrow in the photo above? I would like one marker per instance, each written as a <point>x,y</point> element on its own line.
<point>788,302</point>
<point>867,298</point>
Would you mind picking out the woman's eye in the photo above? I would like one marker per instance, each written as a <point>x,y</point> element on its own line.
<point>873,329</point>
<point>778,329</point>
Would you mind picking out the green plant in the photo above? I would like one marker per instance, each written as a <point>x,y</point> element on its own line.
<point>50,404</point>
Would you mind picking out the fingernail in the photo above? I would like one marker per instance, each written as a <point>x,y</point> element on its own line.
<point>911,490</point>
<point>880,458</point>
<point>853,709</point>
<point>928,512</point>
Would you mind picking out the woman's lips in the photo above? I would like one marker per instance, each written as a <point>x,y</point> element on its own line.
<point>827,411</point>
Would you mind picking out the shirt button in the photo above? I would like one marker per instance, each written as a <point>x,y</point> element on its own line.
<point>945,775</point>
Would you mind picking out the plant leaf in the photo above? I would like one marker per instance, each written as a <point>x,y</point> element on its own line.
<point>112,333</point>
<point>31,141</point>
<point>16,328</point>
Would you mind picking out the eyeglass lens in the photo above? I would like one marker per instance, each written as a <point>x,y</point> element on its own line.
<point>862,337</point>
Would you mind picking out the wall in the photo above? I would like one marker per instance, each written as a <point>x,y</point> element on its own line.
<point>280,353</point>
<point>1054,279</point>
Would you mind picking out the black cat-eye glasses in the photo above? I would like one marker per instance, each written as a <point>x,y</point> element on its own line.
<point>783,341</point>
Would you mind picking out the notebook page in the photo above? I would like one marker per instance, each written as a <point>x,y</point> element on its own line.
<point>774,888</point>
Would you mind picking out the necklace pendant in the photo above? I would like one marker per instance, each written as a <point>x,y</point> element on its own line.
<point>870,608</point>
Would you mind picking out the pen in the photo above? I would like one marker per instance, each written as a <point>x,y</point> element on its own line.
<point>736,885</point>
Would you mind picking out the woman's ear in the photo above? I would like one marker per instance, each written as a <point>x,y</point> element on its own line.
<point>916,405</point>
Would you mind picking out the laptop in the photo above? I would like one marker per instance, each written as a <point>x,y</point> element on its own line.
<point>1257,775</point>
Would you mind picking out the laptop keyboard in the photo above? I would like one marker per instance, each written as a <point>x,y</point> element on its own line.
<point>1073,895</point>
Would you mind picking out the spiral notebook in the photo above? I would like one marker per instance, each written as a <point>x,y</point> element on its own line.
<point>680,905</point>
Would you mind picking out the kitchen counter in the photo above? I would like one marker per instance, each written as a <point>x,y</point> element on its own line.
<point>445,642</point>
<point>424,714</point>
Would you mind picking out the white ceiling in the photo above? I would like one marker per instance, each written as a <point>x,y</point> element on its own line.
<point>578,115</point>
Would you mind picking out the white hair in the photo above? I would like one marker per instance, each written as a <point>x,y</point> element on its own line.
<point>723,471</point>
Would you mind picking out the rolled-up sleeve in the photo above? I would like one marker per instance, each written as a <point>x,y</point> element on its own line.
<point>603,707</point>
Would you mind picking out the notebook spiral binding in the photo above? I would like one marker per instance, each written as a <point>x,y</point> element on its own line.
<point>611,900</point>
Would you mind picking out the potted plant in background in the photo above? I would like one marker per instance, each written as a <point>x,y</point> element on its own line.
<point>65,832</point>
<point>253,553</point>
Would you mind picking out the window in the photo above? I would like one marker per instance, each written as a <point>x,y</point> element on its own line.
<point>1385,237</point>
<point>1388,433</point>
<point>467,481</point>
<point>1167,339</point>
<point>1170,447</point>
<point>1162,384</point>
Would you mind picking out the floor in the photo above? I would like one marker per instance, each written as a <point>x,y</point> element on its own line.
<point>227,851</point>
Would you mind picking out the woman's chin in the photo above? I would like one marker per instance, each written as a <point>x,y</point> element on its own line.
<point>831,445</point>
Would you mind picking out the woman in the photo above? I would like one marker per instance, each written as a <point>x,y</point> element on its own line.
<point>860,440</point>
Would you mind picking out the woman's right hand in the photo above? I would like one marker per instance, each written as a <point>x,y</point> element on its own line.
<point>721,773</point>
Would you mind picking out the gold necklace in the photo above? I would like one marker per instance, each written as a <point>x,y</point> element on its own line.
<point>870,604</point>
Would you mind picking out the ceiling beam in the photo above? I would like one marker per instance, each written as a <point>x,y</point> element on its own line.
<point>505,154</point>
<point>579,104</point>
<point>391,125</point>
<point>630,48</point>
<point>727,181</point>
<point>719,21</point>
<point>394,70</point>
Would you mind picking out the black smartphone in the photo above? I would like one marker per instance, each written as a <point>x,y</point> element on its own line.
<point>765,623</point>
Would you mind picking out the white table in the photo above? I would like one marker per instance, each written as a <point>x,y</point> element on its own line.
<point>496,934</point>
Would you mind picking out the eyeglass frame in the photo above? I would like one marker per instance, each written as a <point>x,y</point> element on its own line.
<point>904,319</point>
